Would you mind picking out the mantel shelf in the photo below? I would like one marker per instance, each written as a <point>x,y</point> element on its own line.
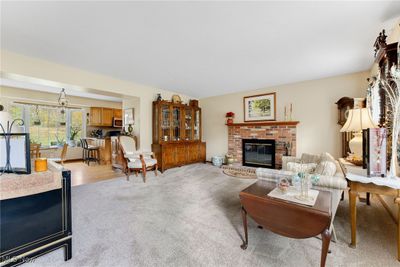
<point>265,123</point>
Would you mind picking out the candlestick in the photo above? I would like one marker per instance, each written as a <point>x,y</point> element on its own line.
<point>285,114</point>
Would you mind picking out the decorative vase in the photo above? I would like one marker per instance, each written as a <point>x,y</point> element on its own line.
<point>229,160</point>
<point>217,161</point>
<point>229,121</point>
<point>130,129</point>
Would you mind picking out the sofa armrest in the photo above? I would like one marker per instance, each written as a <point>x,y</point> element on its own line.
<point>272,174</point>
<point>334,182</point>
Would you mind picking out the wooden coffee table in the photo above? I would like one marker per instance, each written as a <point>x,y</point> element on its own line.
<point>286,218</point>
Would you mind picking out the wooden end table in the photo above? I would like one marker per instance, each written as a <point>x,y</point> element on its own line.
<point>360,183</point>
<point>287,218</point>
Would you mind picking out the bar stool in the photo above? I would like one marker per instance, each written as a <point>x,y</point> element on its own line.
<point>90,153</point>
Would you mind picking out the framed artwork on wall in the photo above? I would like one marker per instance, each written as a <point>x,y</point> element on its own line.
<point>260,107</point>
<point>129,116</point>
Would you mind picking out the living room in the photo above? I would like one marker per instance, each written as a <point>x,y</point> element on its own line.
<point>237,142</point>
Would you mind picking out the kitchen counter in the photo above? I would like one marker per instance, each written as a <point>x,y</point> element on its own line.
<point>105,148</point>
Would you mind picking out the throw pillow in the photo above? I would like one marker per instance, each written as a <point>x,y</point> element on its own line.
<point>327,168</point>
<point>309,158</point>
<point>327,157</point>
<point>298,167</point>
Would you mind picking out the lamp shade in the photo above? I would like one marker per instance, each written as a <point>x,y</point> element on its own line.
<point>4,118</point>
<point>358,119</point>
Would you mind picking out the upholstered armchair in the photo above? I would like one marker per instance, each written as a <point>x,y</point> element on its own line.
<point>135,160</point>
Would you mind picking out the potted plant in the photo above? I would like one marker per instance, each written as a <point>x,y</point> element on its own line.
<point>230,115</point>
<point>73,133</point>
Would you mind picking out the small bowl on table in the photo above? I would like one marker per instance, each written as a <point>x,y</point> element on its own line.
<point>283,185</point>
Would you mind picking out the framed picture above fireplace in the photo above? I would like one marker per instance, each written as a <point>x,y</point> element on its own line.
<point>260,107</point>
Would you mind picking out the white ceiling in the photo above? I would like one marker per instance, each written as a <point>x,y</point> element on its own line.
<point>200,48</point>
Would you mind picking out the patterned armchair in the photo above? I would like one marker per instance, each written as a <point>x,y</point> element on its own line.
<point>135,160</point>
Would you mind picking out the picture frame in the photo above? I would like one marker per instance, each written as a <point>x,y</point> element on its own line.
<point>20,157</point>
<point>260,107</point>
<point>129,116</point>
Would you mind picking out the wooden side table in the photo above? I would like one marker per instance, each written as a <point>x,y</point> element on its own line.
<point>376,185</point>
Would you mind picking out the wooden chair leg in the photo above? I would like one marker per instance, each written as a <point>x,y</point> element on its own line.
<point>144,173</point>
<point>128,173</point>
<point>155,169</point>
<point>136,173</point>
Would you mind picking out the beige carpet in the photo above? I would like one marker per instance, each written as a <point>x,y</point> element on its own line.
<point>190,216</point>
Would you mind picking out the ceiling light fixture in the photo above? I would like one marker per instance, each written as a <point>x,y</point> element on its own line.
<point>62,100</point>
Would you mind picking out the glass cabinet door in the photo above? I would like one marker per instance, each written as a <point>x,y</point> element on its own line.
<point>176,123</point>
<point>188,123</point>
<point>165,123</point>
<point>196,124</point>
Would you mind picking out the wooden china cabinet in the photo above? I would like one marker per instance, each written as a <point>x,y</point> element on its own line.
<point>177,134</point>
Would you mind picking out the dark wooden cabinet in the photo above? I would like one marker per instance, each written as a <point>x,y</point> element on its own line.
<point>177,134</point>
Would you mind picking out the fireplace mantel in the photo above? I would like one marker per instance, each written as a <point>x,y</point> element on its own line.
<point>265,123</point>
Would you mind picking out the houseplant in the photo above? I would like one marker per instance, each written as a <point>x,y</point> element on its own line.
<point>73,133</point>
<point>229,115</point>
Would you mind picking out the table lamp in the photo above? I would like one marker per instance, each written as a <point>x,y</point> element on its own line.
<point>6,126</point>
<point>358,119</point>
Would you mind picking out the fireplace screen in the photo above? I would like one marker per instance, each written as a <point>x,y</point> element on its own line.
<point>259,153</point>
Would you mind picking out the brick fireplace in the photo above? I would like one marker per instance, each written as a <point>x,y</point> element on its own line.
<point>282,132</point>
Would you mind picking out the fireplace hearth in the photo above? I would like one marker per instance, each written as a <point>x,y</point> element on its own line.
<point>258,153</point>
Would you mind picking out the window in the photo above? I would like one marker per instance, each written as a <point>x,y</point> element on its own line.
<point>76,124</point>
<point>16,111</point>
<point>47,126</point>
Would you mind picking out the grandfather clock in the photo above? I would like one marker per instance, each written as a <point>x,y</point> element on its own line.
<point>344,105</point>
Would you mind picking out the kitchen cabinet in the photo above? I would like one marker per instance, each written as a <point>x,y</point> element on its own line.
<point>105,148</point>
<point>95,116</point>
<point>107,117</point>
<point>103,116</point>
<point>118,113</point>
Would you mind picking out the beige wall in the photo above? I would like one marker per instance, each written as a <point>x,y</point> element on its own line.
<point>13,63</point>
<point>133,102</point>
<point>313,105</point>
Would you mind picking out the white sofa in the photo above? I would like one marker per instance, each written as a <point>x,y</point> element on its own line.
<point>334,184</point>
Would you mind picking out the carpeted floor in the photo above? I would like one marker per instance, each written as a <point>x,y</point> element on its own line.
<point>190,216</point>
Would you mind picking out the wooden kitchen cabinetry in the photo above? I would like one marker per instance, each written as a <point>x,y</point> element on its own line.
<point>103,116</point>
<point>95,116</point>
<point>118,113</point>
<point>107,117</point>
<point>177,134</point>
